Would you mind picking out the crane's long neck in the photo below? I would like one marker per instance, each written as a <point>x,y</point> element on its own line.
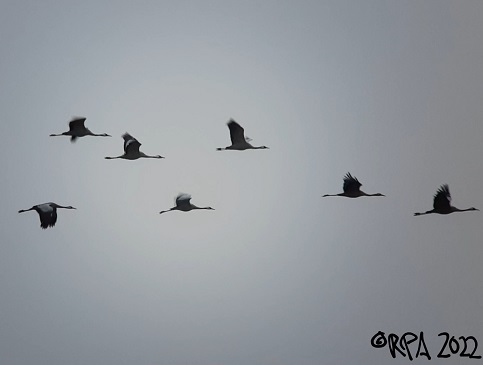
<point>195,207</point>
<point>463,210</point>
<point>60,134</point>
<point>25,210</point>
<point>169,210</point>
<point>147,156</point>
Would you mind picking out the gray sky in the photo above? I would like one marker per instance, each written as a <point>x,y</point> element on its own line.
<point>388,90</point>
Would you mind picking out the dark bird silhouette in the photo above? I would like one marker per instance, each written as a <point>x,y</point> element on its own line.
<point>47,213</point>
<point>131,149</point>
<point>77,129</point>
<point>441,203</point>
<point>183,203</point>
<point>351,188</point>
<point>238,140</point>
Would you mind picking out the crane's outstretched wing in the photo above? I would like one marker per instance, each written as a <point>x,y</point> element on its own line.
<point>351,184</point>
<point>237,133</point>
<point>131,144</point>
<point>442,198</point>
<point>183,200</point>
<point>77,124</point>
<point>48,219</point>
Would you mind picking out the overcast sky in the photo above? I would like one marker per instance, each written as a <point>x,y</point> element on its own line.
<point>388,90</point>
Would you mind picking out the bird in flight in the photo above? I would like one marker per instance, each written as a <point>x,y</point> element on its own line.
<point>183,204</point>
<point>351,188</point>
<point>441,203</point>
<point>77,129</point>
<point>238,140</point>
<point>47,213</point>
<point>131,149</point>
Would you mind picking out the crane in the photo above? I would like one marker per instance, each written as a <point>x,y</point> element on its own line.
<point>131,149</point>
<point>183,204</point>
<point>351,188</point>
<point>47,213</point>
<point>77,129</point>
<point>238,140</point>
<point>441,203</point>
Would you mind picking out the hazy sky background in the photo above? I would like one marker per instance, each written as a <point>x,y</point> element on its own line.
<point>388,90</point>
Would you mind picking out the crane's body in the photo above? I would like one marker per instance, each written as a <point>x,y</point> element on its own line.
<point>131,149</point>
<point>352,189</point>
<point>78,129</point>
<point>183,204</point>
<point>442,203</point>
<point>238,140</point>
<point>47,213</point>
